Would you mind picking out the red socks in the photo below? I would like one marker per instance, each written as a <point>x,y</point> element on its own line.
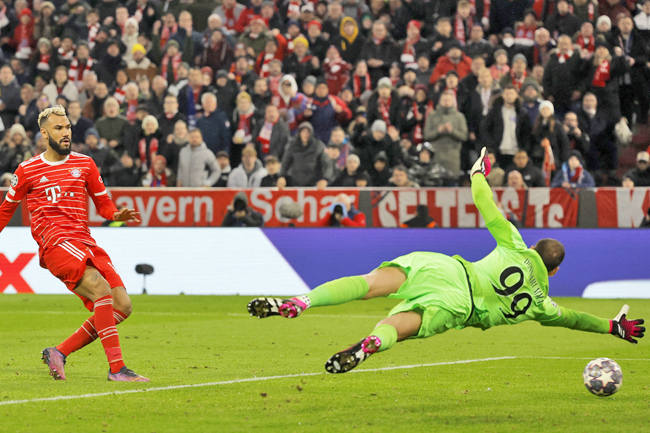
<point>86,334</point>
<point>101,325</point>
<point>107,332</point>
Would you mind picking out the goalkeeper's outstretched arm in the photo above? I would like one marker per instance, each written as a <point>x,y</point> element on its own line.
<point>504,233</point>
<point>483,198</point>
<point>555,315</point>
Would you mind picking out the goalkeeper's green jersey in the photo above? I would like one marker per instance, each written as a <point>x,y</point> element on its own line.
<point>510,285</point>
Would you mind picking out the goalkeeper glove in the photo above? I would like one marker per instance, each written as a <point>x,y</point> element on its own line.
<point>626,329</point>
<point>482,165</point>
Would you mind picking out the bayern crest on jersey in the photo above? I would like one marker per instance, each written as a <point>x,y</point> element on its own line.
<point>75,172</point>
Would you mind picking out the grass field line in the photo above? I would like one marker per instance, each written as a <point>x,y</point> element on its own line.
<point>233,381</point>
<point>569,357</point>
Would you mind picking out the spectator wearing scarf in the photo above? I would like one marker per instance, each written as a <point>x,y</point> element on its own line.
<point>384,104</point>
<point>81,65</point>
<point>270,53</point>
<point>292,103</point>
<point>585,39</point>
<point>271,135</point>
<point>463,21</point>
<point>414,44</point>
<point>149,143</point>
<point>518,74</point>
<point>171,62</point>
<point>602,80</point>
<point>361,82</point>
<point>573,174</point>
<point>159,175</point>
<point>245,119</point>
<point>41,61</point>
<point>586,10</point>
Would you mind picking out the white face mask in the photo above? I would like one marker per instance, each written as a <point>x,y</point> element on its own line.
<point>591,111</point>
<point>508,42</point>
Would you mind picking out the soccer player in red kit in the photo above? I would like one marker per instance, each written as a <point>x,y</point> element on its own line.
<point>55,184</point>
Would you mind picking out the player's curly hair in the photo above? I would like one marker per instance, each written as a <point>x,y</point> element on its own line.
<point>551,251</point>
<point>57,110</point>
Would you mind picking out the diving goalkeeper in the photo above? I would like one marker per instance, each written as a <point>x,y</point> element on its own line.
<point>439,292</point>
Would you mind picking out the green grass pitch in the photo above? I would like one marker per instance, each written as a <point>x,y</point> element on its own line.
<point>183,340</point>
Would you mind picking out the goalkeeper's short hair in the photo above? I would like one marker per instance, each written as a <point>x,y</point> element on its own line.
<point>551,251</point>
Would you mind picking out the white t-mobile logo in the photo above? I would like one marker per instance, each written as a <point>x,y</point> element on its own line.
<point>53,193</point>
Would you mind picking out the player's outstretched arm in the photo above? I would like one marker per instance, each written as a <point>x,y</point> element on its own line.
<point>105,206</point>
<point>554,315</point>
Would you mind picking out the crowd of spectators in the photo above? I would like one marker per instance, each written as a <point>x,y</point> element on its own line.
<point>265,93</point>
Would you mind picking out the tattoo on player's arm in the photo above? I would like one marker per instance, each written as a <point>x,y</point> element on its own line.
<point>94,277</point>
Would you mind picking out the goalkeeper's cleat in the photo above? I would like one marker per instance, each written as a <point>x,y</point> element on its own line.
<point>348,359</point>
<point>126,375</point>
<point>55,360</point>
<point>292,308</point>
<point>266,307</point>
<point>626,329</point>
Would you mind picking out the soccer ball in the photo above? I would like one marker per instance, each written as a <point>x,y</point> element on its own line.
<point>603,377</point>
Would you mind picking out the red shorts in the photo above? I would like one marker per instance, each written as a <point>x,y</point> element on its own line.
<point>68,260</point>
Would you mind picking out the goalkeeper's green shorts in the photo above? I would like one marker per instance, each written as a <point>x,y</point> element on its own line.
<point>436,286</point>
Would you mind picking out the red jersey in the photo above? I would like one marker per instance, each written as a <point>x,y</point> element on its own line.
<point>337,74</point>
<point>56,198</point>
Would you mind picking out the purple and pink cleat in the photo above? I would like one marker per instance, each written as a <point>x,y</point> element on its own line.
<point>266,307</point>
<point>348,359</point>
<point>55,360</point>
<point>126,375</point>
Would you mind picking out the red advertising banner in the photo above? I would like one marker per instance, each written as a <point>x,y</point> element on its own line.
<point>622,207</point>
<point>454,207</point>
<point>450,207</point>
<point>181,207</point>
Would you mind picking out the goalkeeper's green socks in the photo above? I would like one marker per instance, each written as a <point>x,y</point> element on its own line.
<point>335,292</point>
<point>387,334</point>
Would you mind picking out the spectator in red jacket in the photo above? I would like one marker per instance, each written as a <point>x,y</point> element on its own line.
<point>455,60</point>
<point>245,17</point>
<point>337,70</point>
<point>342,213</point>
<point>264,59</point>
<point>23,39</point>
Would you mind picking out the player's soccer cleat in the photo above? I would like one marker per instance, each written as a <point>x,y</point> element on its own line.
<point>347,359</point>
<point>55,360</point>
<point>126,375</point>
<point>266,307</point>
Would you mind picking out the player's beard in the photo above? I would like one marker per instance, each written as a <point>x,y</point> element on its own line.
<point>57,147</point>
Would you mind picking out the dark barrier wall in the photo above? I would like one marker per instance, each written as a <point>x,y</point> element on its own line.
<point>320,255</point>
